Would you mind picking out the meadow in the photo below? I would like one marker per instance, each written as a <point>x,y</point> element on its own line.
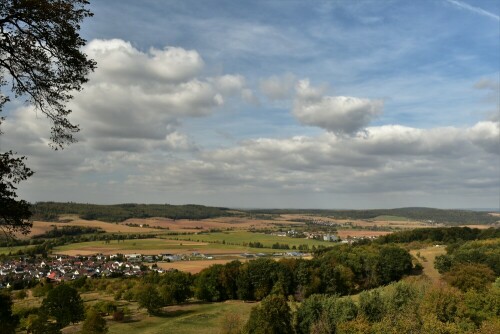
<point>245,237</point>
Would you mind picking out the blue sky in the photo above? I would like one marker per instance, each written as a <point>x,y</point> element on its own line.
<point>327,104</point>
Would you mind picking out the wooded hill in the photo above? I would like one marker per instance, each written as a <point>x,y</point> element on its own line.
<point>414,213</point>
<point>50,211</point>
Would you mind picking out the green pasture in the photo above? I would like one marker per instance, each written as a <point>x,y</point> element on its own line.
<point>185,319</point>
<point>13,249</point>
<point>241,237</point>
<point>391,218</point>
<point>154,244</point>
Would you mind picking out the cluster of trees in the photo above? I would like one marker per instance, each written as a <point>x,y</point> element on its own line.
<point>403,307</point>
<point>440,234</point>
<point>470,265</point>
<point>60,306</point>
<point>156,291</point>
<point>422,214</point>
<point>44,246</point>
<point>67,231</point>
<point>121,212</point>
<point>342,270</point>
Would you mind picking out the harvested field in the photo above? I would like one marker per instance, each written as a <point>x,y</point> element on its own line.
<point>222,223</point>
<point>40,227</point>
<point>381,221</point>
<point>344,234</point>
<point>193,267</point>
<point>154,247</point>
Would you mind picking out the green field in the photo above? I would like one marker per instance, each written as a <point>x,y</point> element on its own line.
<point>146,244</point>
<point>390,218</point>
<point>13,250</point>
<point>241,237</point>
<point>186,319</point>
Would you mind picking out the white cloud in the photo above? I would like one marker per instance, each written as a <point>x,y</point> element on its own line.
<point>338,114</point>
<point>477,10</point>
<point>381,160</point>
<point>146,95</point>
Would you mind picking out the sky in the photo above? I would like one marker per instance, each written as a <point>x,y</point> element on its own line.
<point>278,104</point>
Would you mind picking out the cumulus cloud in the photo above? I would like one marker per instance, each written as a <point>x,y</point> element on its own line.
<point>337,114</point>
<point>145,95</point>
<point>384,159</point>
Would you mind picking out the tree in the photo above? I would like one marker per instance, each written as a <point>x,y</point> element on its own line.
<point>94,323</point>
<point>470,276</point>
<point>175,287</point>
<point>40,61</point>
<point>272,316</point>
<point>9,322</point>
<point>147,296</point>
<point>64,304</point>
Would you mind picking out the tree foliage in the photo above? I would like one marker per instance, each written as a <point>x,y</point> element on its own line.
<point>41,57</point>
<point>64,304</point>
<point>40,61</point>
<point>94,323</point>
<point>148,297</point>
<point>8,321</point>
<point>14,213</point>
<point>272,316</point>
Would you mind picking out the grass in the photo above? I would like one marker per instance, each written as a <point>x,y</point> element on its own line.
<point>157,245</point>
<point>13,249</point>
<point>429,254</point>
<point>390,218</point>
<point>153,244</point>
<point>185,319</point>
<point>241,237</point>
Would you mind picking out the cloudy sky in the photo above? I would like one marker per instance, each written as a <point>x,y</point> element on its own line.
<point>290,104</point>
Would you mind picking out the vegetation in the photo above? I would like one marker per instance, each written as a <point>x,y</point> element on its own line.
<point>41,60</point>
<point>120,212</point>
<point>63,303</point>
<point>67,231</point>
<point>94,323</point>
<point>422,214</point>
<point>440,234</point>
<point>7,319</point>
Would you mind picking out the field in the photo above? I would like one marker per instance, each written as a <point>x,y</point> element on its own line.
<point>427,257</point>
<point>223,223</point>
<point>14,249</point>
<point>206,318</point>
<point>146,246</point>
<point>40,227</point>
<point>193,267</point>
<point>192,317</point>
<point>240,237</point>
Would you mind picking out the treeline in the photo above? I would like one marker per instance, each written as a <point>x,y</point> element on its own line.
<point>481,252</point>
<point>413,306</point>
<point>440,234</point>
<point>50,211</point>
<point>44,246</point>
<point>421,214</point>
<point>343,270</point>
<point>67,231</point>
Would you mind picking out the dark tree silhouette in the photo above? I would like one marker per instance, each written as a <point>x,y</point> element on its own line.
<point>41,62</point>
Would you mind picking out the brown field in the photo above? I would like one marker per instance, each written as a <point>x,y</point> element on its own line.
<point>193,267</point>
<point>186,225</point>
<point>343,234</point>
<point>357,222</point>
<point>481,227</point>
<point>40,227</point>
